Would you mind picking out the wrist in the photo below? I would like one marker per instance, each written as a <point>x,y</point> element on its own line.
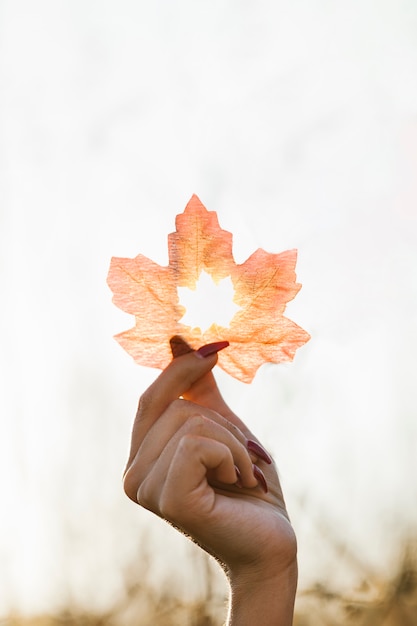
<point>263,597</point>
<point>263,592</point>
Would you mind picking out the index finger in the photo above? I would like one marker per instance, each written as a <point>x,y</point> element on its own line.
<point>205,391</point>
<point>172,383</point>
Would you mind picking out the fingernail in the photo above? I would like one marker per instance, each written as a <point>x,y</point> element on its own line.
<point>259,475</point>
<point>257,449</point>
<point>211,348</point>
<point>179,346</point>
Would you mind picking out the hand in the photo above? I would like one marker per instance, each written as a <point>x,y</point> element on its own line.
<point>194,463</point>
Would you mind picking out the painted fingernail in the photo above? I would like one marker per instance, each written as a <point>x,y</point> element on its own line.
<point>257,449</point>
<point>211,348</point>
<point>238,483</point>
<point>259,475</point>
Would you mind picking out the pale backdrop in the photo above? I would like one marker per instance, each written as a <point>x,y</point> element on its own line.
<point>297,123</point>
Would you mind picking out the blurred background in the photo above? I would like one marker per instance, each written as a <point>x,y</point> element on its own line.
<point>297,123</point>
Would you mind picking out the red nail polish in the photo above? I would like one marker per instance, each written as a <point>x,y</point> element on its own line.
<point>211,348</point>
<point>257,449</point>
<point>259,475</point>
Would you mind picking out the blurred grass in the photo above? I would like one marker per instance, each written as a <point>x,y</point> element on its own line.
<point>392,602</point>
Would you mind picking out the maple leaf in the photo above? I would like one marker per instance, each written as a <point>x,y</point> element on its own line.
<point>263,285</point>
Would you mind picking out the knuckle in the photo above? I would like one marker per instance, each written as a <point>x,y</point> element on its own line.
<point>188,444</point>
<point>197,424</point>
<point>289,545</point>
<point>143,496</point>
<point>145,402</point>
<point>133,480</point>
<point>169,507</point>
<point>130,484</point>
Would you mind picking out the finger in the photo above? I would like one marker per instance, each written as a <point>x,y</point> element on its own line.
<point>172,383</point>
<point>188,491</point>
<point>158,447</point>
<point>179,346</point>
<point>205,391</point>
<point>184,488</point>
<point>188,452</point>
<point>172,420</point>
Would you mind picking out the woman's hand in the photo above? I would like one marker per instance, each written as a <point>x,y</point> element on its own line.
<point>194,463</point>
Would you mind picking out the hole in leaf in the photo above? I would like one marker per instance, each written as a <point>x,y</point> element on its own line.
<point>210,303</point>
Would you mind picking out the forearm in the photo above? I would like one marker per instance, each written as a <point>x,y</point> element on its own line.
<point>269,602</point>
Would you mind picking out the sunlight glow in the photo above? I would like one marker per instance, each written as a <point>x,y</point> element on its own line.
<point>297,132</point>
<point>210,303</point>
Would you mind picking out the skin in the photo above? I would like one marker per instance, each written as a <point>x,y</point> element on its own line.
<point>186,445</point>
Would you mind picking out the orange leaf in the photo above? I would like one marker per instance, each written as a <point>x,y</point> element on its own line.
<point>199,244</point>
<point>263,284</point>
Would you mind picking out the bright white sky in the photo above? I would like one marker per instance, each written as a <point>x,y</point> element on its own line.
<point>297,123</point>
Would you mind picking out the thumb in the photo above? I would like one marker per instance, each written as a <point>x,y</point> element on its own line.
<point>204,390</point>
<point>174,382</point>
